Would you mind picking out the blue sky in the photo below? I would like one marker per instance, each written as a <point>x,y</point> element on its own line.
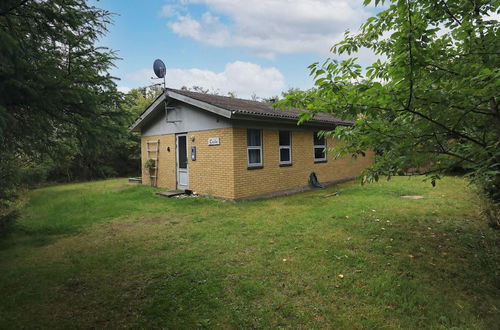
<point>247,47</point>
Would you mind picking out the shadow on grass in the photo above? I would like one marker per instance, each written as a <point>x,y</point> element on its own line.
<point>195,263</point>
<point>7,220</point>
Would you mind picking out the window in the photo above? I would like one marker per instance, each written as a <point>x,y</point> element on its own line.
<point>182,156</point>
<point>319,148</point>
<point>285,147</point>
<point>254,147</point>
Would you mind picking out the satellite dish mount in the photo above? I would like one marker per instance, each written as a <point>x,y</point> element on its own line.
<point>160,70</point>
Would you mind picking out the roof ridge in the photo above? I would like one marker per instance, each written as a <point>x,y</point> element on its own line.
<point>216,95</point>
<point>256,108</point>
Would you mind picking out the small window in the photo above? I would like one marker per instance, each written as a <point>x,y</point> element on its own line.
<point>319,148</point>
<point>285,147</point>
<point>254,147</point>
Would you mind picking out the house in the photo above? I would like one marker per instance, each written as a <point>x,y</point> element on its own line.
<point>236,149</point>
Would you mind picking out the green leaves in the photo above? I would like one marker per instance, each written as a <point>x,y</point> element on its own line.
<point>58,103</point>
<point>429,104</point>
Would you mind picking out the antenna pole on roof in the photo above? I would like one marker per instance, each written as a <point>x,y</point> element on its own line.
<point>160,71</point>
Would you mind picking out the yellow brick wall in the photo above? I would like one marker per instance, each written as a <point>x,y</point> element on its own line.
<point>166,160</point>
<point>222,171</point>
<point>212,171</point>
<point>272,177</point>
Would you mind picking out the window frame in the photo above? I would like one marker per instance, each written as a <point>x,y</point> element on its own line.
<point>287,147</point>
<point>255,165</point>
<point>317,146</point>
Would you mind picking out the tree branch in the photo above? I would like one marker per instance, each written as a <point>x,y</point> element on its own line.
<point>6,12</point>
<point>442,69</point>
<point>444,127</point>
<point>445,152</point>
<point>448,11</point>
<point>410,53</point>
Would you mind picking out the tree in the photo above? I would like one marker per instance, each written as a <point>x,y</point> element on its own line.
<point>138,99</point>
<point>431,100</point>
<point>57,99</point>
<point>137,102</point>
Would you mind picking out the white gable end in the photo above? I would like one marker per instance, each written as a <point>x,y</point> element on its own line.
<point>183,118</point>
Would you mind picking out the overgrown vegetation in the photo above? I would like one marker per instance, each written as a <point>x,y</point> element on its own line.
<point>109,255</point>
<point>61,116</point>
<point>60,112</point>
<point>430,102</point>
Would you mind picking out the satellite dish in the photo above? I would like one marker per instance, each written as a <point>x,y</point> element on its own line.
<point>159,68</point>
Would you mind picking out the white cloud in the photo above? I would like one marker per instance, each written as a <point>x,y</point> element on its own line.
<point>270,27</point>
<point>187,27</point>
<point>208,29</point>
<point>243,78</point>
<point>168,11</point>
<point>123,89</point>
<point>492,16</point>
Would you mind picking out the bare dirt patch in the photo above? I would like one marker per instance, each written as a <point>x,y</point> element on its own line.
<point>160,220</point>
<point>412,196</point>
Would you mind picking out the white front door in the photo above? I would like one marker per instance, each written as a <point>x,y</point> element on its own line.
<point>182,162</point>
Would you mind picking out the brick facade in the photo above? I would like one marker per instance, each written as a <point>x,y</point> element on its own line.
<point>222,171</point>
<point>212,172</point>
<point>166,160</point>
<point>273,178</point>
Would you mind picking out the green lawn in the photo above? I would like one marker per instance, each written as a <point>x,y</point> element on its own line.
<point>109,255</point>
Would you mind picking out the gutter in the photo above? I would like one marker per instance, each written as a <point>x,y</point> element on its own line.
<point>240,116</point>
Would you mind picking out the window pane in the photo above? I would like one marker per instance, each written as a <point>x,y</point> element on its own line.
<point>284,155</point>
<point>284,138</point>
<point>318,140</point>
<point>254,156</point>
<point>182,151</point>
<point>319,153</point>
<point>253,138</point>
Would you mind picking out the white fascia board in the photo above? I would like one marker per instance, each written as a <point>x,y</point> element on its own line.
<point>135,127</point>
<point>280,120</point>
<point>200,104</point>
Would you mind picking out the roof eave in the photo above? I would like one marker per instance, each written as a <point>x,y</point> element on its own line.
<point>230,114</point>
<point>200,104</point>
<point>267,118</point>
<point>139,122</point>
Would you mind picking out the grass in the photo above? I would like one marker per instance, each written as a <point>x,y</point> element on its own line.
<point>110,255</point>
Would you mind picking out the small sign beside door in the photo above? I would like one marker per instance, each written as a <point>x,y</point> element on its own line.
<point>214,141</point>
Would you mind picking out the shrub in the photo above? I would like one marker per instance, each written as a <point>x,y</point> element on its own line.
<point>150,164</point>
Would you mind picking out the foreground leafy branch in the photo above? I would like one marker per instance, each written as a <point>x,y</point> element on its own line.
<point>430,102</point>
<point>58,103</point>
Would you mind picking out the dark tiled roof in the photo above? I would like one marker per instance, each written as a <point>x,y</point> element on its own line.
<point>256,109</point>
